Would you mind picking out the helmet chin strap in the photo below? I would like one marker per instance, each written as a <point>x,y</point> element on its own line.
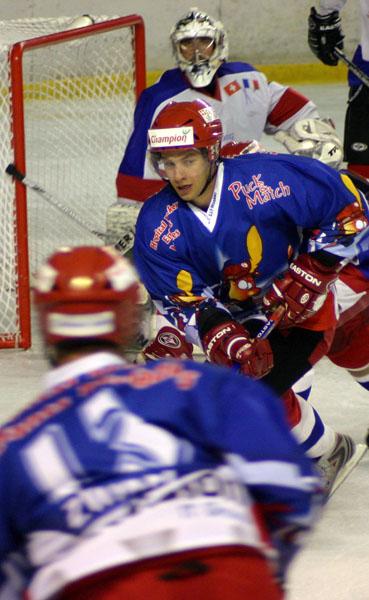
<point>212,172</point>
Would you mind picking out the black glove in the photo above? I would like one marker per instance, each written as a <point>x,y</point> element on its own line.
<point>325,34</point>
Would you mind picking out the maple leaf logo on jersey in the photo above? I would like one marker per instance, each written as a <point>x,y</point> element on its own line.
<point>232,88</point>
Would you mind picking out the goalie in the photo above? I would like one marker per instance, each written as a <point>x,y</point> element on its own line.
<point>248,104</point>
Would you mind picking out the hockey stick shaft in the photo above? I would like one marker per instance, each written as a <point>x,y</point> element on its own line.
<point>29,183</point>
<point>272,322</point>
<point>356,70</point>
<point>122,245</point>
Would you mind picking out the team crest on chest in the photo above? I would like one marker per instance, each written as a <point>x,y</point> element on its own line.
<point>239,279</point>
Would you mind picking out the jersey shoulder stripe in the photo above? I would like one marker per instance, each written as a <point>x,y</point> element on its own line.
<point>229,68</point>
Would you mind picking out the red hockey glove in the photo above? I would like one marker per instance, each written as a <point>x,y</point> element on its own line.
<point>230,343</point>
<point>234,149</point>
<point>169,343</point>
<point>302,290</point>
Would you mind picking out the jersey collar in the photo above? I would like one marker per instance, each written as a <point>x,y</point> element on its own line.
<point>209,218</point>
<point>97,360</point>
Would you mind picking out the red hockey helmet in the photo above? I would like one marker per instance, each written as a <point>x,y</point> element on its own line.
<point>185,126</point>
<point>87,293</point>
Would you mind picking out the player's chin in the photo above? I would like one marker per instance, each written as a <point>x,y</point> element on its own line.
<point>185,192</point>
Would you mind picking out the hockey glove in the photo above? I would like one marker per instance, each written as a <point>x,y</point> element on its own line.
<point>325,34</point>
<point>313,137</point>
<point>234,149</point>
<point>302,290</point>
<point>169,343</point>
<point>230,343</point>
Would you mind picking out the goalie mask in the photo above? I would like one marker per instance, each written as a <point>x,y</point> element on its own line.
<point>185,126</point>
<point>87,293</point>
<point>200,46</point>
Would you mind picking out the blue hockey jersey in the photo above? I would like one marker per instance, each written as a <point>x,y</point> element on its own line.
<point>266,208</point>
<point>117,462</point>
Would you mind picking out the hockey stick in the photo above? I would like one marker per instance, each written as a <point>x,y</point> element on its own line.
<point>272,322</point>
<point>356,71</point>
<point>123,245</point>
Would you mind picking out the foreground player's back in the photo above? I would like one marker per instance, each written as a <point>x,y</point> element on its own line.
<point>119,466</point>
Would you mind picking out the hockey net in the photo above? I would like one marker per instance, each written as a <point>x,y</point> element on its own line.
<point>67,98</point>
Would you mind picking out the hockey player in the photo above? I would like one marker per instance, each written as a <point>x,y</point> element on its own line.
<point>240,94</point>
<point>350,348</point>
<point>224,241</point>
<point>174,477</point>
<point>248,104</point>
<point>325,34</point>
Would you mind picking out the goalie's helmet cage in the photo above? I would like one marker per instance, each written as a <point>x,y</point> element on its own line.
<point>196,24</point>
<point>87,293</point>
<point>185,126</point>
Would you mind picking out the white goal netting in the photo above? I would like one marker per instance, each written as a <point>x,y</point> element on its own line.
<point>78,95</point>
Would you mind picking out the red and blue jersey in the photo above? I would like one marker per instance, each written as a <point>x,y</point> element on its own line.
<point>115,463</point>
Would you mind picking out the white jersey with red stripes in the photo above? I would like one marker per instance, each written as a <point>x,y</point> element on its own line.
<point>246,102</point>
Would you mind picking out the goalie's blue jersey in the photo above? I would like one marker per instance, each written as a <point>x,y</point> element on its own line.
<point>266,208</point>
<point>117,462</point>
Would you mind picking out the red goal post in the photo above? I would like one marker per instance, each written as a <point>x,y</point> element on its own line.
<point>66,107</point>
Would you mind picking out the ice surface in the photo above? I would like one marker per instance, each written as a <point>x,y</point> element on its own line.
<point>335,562</point>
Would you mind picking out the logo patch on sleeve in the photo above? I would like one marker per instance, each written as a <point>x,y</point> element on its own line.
<point>232,88</point>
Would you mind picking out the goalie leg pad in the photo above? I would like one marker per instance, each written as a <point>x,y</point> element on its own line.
<point>121,220</point>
